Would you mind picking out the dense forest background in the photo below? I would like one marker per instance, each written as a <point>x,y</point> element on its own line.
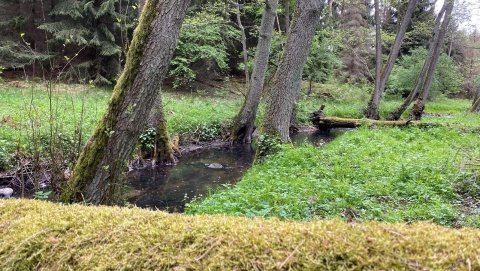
<point>86,41</point>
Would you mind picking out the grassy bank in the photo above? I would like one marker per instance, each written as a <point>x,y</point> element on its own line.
<point>385,174</point>
<point>28,115</point>
<point>46,236</point>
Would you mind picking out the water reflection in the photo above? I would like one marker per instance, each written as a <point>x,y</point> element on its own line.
<point>170,187</point>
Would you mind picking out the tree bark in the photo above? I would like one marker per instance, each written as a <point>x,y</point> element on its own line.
<point>397,113</point>
<point>286,6</point>
<point>372,111</point>
<point>381,82</point>
<point>244,44</point>
<point>419,106</point>
<point>281,98</point>
<point>163,151</point>
<point>97,176</point>
<point>244,122</point>
<point>475,107</point>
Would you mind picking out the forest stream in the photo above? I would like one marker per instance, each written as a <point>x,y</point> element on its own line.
<point>197,173</point>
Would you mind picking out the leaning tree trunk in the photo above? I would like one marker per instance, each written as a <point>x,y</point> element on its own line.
<point>97,175</point>
<point>276,121</point>
<point>475,107</point>
<point>419,106</point>
<point>382,79</point>
<point>397,113</point>
<point>244,122</point>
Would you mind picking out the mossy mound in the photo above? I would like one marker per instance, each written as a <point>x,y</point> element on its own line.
<point>46,236</point>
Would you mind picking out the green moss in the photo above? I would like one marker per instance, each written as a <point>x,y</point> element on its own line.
<point>45,236</point>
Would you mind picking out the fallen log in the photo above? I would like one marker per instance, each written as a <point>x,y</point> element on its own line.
<point>323,122</point>
<point>334,122</point>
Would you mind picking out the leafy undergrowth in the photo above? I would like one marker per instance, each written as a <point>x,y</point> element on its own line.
<point>38,235</point>
<point>385,174</point>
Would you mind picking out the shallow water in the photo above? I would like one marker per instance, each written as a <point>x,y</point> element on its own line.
<point>170,187</point>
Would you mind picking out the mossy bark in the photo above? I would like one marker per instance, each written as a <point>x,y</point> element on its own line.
<point>283,93</point>
<point>244,122</point>
<point>98,174</point>
<point>163,154</point>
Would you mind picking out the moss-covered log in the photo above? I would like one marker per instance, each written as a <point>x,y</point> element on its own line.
<point>323,122</point>
<point>97,176</point>
<point>38,235</point>
<point>334,122</point>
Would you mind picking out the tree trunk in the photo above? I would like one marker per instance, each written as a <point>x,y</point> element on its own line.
<point>276,121</point>
<point>372,110</point>
<point>97,176</point>
<point>475,107</point>
<point>374,104</point>
<point>244,43</point>
<point>286,6</point>
<point>419,106</point>
<point>141,4</point>
<point>397,113</point>
<point>244,122</point>
<point>163,152</point>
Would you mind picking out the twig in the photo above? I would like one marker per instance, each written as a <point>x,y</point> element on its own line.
<point>396,233</point>
<point>206,252</point>
<point>291,255</point>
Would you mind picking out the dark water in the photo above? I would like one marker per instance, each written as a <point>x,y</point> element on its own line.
<point>170,187</point>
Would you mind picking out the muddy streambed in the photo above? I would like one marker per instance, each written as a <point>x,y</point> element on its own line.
<point>197,173</point>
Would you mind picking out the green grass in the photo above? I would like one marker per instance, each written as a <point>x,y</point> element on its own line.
<point>386,174</point>
<point>27,116</point>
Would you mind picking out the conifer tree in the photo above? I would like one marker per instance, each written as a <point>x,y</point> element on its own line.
<point>96,33</point>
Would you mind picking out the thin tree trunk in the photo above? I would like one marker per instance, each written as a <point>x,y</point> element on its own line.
<point>244,122</point>
<point>419,106</point>
<point>97,176</point>
<point>276,121</point>
<point>397,113</point>
<point>286,6</point>
<point>372,111</point>
<point>374,104</point>
<point>244,44</point>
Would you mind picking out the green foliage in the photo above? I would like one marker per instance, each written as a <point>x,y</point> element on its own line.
<point>387,174</point>
<point>323,58</point>
<point>147,140</point>
<point>446,81</point>
<point>6,155</point>
<point>97,33</point>
<point>42,194</point>
<point>202,49</point>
